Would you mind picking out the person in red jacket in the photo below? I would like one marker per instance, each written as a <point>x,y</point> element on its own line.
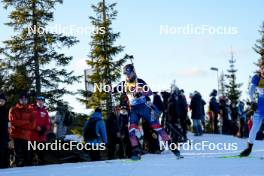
<point>42,120</point>
<point>43,124</point>
<point>22,122</point>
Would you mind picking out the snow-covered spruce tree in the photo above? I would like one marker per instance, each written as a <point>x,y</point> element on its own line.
<point>259,46</point>
<point>232,87</point>
<point>106,69</point>
<point>222,89</point>
<point>36,50</point>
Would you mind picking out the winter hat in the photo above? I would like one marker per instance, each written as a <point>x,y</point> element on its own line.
<point>213,93</point>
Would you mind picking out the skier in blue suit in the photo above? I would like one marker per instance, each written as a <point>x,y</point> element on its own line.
<point>257,85</point>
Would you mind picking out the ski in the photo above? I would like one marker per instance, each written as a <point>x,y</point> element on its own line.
<point>234,156</point>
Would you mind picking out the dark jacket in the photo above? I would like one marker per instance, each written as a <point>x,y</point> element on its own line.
<point>183,107</point>
<point>3,125</point>
<point>196,106</point>
<point>213,105</point>
<point>4,154</point>
<point>158,102</point>
<point>203,104</point>
<point>173,109</point>
<point>113,127</point>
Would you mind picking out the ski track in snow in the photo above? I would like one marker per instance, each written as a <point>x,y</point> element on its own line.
<point>195,163</point>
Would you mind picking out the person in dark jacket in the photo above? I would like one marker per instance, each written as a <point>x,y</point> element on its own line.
<point>225,114</point>
<point>234,117</point>
<point>4,156</point>
<point>158,102</point>
<point>184,119</point>
<point>214,108</point>
<point>176,116</point>
<point>165,96</point>
<point>115,136</point>
<point>100,132</point>
<point>196,108</point>
<point>123,115</point>
<point>242,119</point>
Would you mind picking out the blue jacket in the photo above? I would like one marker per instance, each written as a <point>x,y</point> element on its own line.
<point>99,128</point>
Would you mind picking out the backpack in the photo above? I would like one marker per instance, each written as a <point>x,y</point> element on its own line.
<point>67,119</point>
<point>90,130</point>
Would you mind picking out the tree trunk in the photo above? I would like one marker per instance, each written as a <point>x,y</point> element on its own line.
<point>35,50</point>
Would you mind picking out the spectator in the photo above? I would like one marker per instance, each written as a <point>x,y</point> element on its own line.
<point>42,125</point>
<point>94,132</point>
<point>242,119</point>
<point>62,120</point>
<point>158,102</point>
<point>214,109</point>
<point>184,119</point>
<point>114,135</point>
<point>225,115</point>
<point>4,154</point>
<point>196,108</point>
<point>124,130</point>
<point>22,122</point>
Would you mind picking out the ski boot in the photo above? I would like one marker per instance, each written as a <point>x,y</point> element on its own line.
<point>247,151</point>
<point>177,153</point>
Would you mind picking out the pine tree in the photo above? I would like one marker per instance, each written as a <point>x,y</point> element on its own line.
<point>36,50</point>
<point>232,88</point>
<point>105,68</point>
<point>222,90</point>
<point>259,46</point>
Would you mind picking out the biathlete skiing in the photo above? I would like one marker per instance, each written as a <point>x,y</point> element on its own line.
<point>257,86</point>
<point>137,91</point>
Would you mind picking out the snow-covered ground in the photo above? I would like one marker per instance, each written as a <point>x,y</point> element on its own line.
<point>204,163</point>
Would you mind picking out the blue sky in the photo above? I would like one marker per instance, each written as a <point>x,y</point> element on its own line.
<point>159,59</point>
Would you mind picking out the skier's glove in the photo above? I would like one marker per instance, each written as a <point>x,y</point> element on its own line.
<point>254,106</point>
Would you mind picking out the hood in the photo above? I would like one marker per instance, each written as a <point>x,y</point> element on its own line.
<point>96,116</point>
